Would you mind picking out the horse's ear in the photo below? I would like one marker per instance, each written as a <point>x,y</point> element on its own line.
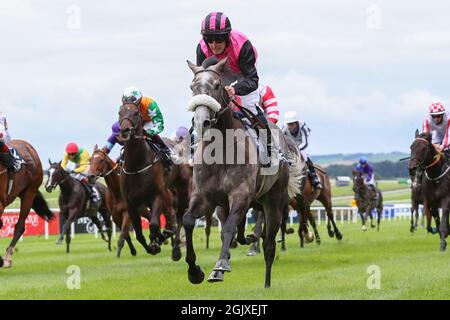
<point>417,133</point>
<point>95,148</point>
<point>49,161</point>
<point>193,67</point>
<point>59,163</point>
<point>220,65</point>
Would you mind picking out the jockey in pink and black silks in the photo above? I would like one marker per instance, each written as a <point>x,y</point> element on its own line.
<point>220,41</point>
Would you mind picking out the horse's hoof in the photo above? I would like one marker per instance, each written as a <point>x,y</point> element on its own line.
<point>222,265</point>
<point>133,252</point>
<point>339,236</point>
<point>176,254</point>
<point>331,233</point>
<point>251,253</point>
<point>411,229</point>
<point>196,275</point>
<point>364,228</point>
<point>1,262</point>
<point>154,249</point>
<point>251,238</point>
<point>215,276</point>
<point>443,246</point>
<point>58,242</point>
<point>318,241</point>
<point>290,230</point>
<point>283,248</point>
<point>7,263</point>
<point>234,244</point>
<point>372,226</point>
<point>309,237</point>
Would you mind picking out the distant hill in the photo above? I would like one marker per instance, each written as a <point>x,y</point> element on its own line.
<point>349,159</point>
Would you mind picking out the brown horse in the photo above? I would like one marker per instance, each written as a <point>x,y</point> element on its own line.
<point>101,165</point>
<point>227,177</point>
<point>146,184</point>
<point>25,185</point>
<point>73,203</point>
<point>324,197</point>
<point>432,170</point>
<point>367,200</point>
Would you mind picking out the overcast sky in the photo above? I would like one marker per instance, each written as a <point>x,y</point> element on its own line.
<point>360,73</point>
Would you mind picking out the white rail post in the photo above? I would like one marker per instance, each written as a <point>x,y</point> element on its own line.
<point>72,230</point>
<point>46,230</point>
<point>319,219</point>
<point>114,230</point>
<point>342,216</point>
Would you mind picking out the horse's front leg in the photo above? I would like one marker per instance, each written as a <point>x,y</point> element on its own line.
<point>198,207</point>
<point>26,201</point>
<point>443,228</point>
<point>239,203</point>
<point>363,215</point>
<point>135,212</point>
<point>156,238</point>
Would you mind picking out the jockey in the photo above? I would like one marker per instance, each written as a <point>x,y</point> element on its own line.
<point>437,123</point>
<point>367,169</point>
<point>220,41</point>
<point>268,102</point>
<point>179,134</point>
<point>153,121</point>
<point>299,132</point>
<point>80,157</point>
<point>112,140</point>
<point>6,157</point>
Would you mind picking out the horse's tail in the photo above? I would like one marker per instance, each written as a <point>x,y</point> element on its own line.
<point>40,206</point>
<point>295,173</point>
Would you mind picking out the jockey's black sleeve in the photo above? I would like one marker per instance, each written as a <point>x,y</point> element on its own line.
<point>247,61</point>
<point>200,55</point>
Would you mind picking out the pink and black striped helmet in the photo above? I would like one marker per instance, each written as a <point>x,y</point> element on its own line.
<point>216,23</point>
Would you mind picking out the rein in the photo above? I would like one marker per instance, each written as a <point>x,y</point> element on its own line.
<point>436,159</point>
<point>142,170</point>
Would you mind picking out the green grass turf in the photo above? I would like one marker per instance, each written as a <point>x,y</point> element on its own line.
<point>412,267</point>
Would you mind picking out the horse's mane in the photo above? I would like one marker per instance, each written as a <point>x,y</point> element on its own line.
<point>227,75</point>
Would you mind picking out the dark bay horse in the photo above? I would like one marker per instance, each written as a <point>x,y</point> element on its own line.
<point>433,170</point>
<point>366,200</point>
<point>226,176</point>
<point>25,185</point>
<point>146,184</point>
<point>324,197</point>
<point>73,203</point>
<point>417,199</point>
<point>101,165</point>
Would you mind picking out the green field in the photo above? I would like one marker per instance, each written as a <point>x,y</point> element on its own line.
<point>412,267</point>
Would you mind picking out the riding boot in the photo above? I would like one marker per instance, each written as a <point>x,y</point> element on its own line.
<point>268,144</point>
<point>164,152</point>
<point>312,174</point>
<point>7,159</point>
<point>94,200</point>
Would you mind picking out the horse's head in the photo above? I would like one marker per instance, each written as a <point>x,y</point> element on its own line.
<point>98,165</point>
<point>56,174</point>
<point>358,178</point>
<point>130,120</point>
<point>422,153</point>
<point>209,95</point>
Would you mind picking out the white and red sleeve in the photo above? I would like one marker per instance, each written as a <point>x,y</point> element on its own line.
<point>445,142</point>
<point>269,104</point>
<point>426,125</point>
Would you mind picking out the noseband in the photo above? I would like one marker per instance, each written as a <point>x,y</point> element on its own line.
<point>219,113</point>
